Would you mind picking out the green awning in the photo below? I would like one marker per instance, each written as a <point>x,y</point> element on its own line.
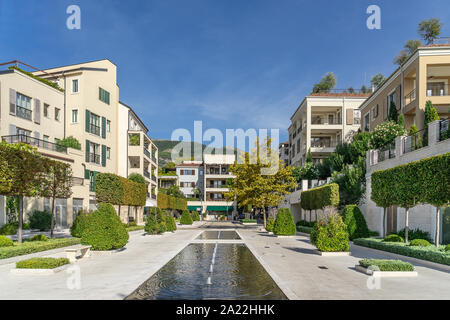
<point>219,208</point>
<point>193,208</point>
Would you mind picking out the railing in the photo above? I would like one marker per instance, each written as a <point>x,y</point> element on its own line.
<point>94,158</point>
<point>350,90</point>
<point>217,173</point>
<point>147,154</point>
<point>153,196</point>
<point>154,159</point>
<point>414,141</point>
<point>23,113</point>
<point>153,178</point>
<point>444,130</point>
<point>94,129</point>
<point>410,97</point>
<point>437,90</point>
<point>323,144</point>
<point>387,152</point>
<point>322,121</point>
<point>38,143</point>
<point>147,174</point>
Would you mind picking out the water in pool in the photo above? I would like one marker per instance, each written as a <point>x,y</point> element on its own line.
<point>221,235</point>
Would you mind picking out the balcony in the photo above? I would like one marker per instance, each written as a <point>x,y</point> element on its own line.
<point>146,174</point>
<point>322,121</point>
<point>94,158</point>
<point>410,97</point>
<point>414,141</point>
<point>23,113</point>
<point>153,178</point>
<point>437,89</point>
<point>147,153</point>
<point>38,143</point>
<point>323,145</point>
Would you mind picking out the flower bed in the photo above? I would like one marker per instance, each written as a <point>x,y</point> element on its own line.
<point>36,246</point>
<point>387,265</point>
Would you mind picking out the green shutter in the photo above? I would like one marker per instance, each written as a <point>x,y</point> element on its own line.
<point>87,174</point>
<point>103,155</point>
<point>103,127</point>
<point>87,150</point>
<point>88,120</point>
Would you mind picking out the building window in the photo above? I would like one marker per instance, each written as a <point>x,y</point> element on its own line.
<point>46,139</point>
<point>108,153</point>
<point>366,122</point>
<point>75,116</point>
<point>94,124</point>
<point>46,109</point>
<point>23,106</point>
<point>75,86</point>
<point>94,153</point>
<point>108,125</point>
<point>356,116</point>
<point>57,114</point>
<point>103,95</point>
<point>23,132</point>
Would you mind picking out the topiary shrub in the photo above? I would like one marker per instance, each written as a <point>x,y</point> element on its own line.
<point>151,225</point>
<point>355,222</point>
<point>419,243</point>
<point>330,235</point>
<point>186,218</point>
<point>39,237</point>
<point>170,223</point>
<point>79,224</point>
<point>270,224</point>
<point>393,238</point>
<point>195,216</point>
<point>284,223</point>
<point>40,220</point>
<point>161,219</point>
<point>5,242</point>
<point>104,230</point>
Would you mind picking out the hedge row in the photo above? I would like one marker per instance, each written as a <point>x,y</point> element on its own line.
<point>42,263</point>
<point>431,253</point>
<point>111,188</point>
<point>387,265</point>
<point>321,197</point>
<point>170,202</point>
<point>304,229</point>
<point>424,181</point>
<point>36,246</point>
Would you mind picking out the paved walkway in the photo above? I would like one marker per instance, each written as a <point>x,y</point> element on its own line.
<point>290,261</point>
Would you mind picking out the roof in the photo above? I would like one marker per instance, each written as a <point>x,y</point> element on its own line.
<point>286,142</point>
<point>135,115</point>
<point>435,45</point>
<point>339,94</point>
<point>188,165</point>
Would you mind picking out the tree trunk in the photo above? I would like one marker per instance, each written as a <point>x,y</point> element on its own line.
<point>264,216</point>
<point>52,223</point>
<point>438,218</point>
<point>19,230</point>
<point>406,224</point>
<point>384,222</point>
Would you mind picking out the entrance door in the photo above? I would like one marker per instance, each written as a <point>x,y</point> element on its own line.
<point>61,213</point>
<point>391,220</point>
<point>445,212</point>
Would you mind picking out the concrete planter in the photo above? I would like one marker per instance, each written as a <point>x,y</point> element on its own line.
<point>332,254</point>
<point>106,252</point>
<point>20,271</point>
<point>285,236</point>
<point>249,223</point>
<point>387,274</point>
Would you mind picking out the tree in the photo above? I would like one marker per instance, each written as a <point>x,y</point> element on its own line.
<point>309,157</point>
<point>364,89</point>
<point>136,177</point>
<point>393,113</point>
<point>352,184</point>
<point>401,58</point>
<point>401,120</point>
<point>377,80</point>
<point>359,146</point>
<point>57,184</point>
<point>327,83</point>
<point>430,29</point>
<point>385,133</point>
<point>430,116</point>
<point>412,45</point>
<point>308,172</point>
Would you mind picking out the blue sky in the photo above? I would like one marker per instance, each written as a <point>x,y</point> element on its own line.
<point>230,63</point>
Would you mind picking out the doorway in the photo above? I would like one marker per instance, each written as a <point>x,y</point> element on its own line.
<point>391,221</point>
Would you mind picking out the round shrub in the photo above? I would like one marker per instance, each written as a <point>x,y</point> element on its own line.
<point>195,216</point>
<point>40,220</point>
<point>5,242</point>
<point>9,229</point>
<point>151,225</point>
<point>284,223</point>
<point>419,243</point>
<point>355,222</point>
<point>186,218</point>
<point>104,230</point>
<point>393,238</point>
<point>39,237</point>
<point>79,224</point>
<point>330,235</point>
<point>270,224</point>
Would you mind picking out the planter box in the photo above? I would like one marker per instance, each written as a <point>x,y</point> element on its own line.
<point>106,252</point>
<point>285,236</point>
<point>21,271</point>
<point>387,274</point>
<point>332,254</point>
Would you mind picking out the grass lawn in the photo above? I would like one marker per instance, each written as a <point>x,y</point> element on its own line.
<point>28,247</point>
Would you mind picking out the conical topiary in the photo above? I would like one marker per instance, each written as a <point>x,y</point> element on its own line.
<point>284,223</point>
<point>186,218</point>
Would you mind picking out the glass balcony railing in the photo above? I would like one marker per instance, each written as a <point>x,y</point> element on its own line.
<point>35,142</point>
<point>23,113</point>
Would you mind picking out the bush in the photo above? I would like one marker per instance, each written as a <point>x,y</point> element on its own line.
<point>330,235</point>
<point>35,246</point>
<point>355,222</point>
<point>9,229</point>
<point>270,224</point>
<point>385,133</point>
<point>104,230</point>
<point>284,223</point>
<point>41,263</point>
<point>69,142</point>
<point>304,229</point>
<point>186,218</point>
<point>419,243</point>
<point>415,234</point>
<point>79,224</point>
<point>40,220</point>
<point>151,225</point>
<point>195,216</point>
<point>321,197</point>
<point>170,223</point>
<point>39,237</point>
<point>5,242</point>
<point>447,248</point>
<point>161,219</point>
<point>393,238</point>
<point>304,223</point>
<point>243,220</point>
<point>387,265</point>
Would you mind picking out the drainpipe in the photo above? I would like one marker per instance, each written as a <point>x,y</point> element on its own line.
<point>65,92</point>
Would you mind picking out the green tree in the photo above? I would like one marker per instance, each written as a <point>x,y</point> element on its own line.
<point>401,120</point>
<point>430,29</point>
<point>430,116</point>
<point>393,113</point>
<point>352,183</point>
<point>385,133</point>
<point>309,158</point>
<point>377,80</point>
<point>409,48</point>
<point>401,58</point>
<point>327,83</point>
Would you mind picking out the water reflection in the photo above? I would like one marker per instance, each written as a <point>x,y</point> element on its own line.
<point>224,235</point>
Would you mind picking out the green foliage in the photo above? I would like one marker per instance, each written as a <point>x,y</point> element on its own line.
<point>393,238</point>
<point>330,235</point>
<point>69,142</point>
<point>40,220</point>
<point>415,234</point>
<point>47,82</point>
<point>195,216</point>
<point>34,246</point>
<point>42,263</point>
<point>247,220</point>
<point>393,113</point>
<point>320,198</point>
<point>420,243</point>
<point>108,188</point>
<point>161,219</point>
<point>170,223</point>
<point>377,80</point>
<point>430,253</point>
<point>9,229</point>
<point>447,248</point>
<point>39,237</point>
<point>186,218</point>
<point>304,229</point>
<point>104,230</point>
<point>309,156</point>
<point>327,83</point>
<point>151,224</point>
<point>135,140</point>
<point>387,265</point>
<point>355,222</point>
<point>385,133</point>
<point>401,120</point>
<point>79,224</point>
<point>170,202</point>
<point>136,177</point>
<point>430,29</point>
<point>352,183</point>
<point>5,242</point>
<point>305,223</point>
<point>431,113</point>
<point>270,224</point>
<point>284,223</point>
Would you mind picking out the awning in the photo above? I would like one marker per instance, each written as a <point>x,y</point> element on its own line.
<point>219,208</point>
<point>194,208</point>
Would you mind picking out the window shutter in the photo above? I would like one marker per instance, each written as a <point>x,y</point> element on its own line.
<point>87,174</point>
<point>103,155</point>
<point>37,111</point>
<point>12,101</point>
<point>349,116</point>
<point>88,120</point>
<point>103,127</point>
<point>87,150</point>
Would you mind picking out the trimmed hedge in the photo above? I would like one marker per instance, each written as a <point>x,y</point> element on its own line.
<point>5,242</point>
<point>104,230</point>
<point>40,220</point>
<point>161,219</point>
<point>111,188</point>
<point>170,202</point>
<point>419,243</point>
<point>387,265</point>
<point>42,263</point>
<point>195,216</point>
<point>330,235</point>
<point>415,234</point>
<point>79,224</point>
<point>248,221</point>
<point>321,197</point>
<point>36,246</point>
<point>151,225</point>
<point>393,238</point>
<point>270,224</point>
<point>355,222</point>
<point>284,223</point>
<point>304,223</point>
<point>134,228</point>
<point>430,253</point>
<point>39,237</point>
<point>304,229</point>
<point>186,218</point>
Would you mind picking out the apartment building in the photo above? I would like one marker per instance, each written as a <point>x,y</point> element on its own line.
<point>190,178</point>
<point>321,121</point>
<point>424,76</point>
<point>283,152</point>
<point>137,152</point>
<point>167,177</point>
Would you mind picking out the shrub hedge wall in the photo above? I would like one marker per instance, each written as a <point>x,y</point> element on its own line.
<point>170,202</point>
<point>111,188</point>
<point>330,235</point>
<point>387,265</point>
<point>321,197</point>
<point>355,222</point>
<point>36,246</point>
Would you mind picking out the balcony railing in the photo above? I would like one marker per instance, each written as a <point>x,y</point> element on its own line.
<point>94,129</point>
<point>147,153</point>
<point>153,178</point>
<point>322,121</point>
<point>444,130</point>
<point>23,113</point>
<point>147,174</point>
<point>437,90</point>
<point>224,173</point>
<point>35,142</point>
<point>154,159</point>
<point>414,141</point>
<point>94,158</point>
<point>387,152</point>
<point>323,144</point>
<point>410,97</point>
